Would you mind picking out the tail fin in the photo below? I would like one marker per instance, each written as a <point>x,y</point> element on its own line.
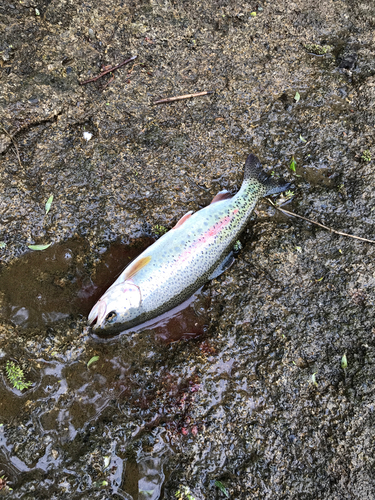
<point>253,170</point>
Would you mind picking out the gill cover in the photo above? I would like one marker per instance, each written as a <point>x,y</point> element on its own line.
<point>119,304</point>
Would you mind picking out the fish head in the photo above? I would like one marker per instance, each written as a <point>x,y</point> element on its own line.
<point>120,304</point>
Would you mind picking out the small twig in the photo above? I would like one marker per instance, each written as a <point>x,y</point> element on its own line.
<point>26,191</point>
<point>14,144</point>
<point>195,184</point>
<point>110,70</point>
<point>131,69</point>
<point>109,81</point>
<point>318,223</point>
<point>180,97</point>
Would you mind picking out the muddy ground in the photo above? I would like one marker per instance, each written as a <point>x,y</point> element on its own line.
<point>257,396</point>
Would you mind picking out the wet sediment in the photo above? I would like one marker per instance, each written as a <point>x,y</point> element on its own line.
<point>257,396</point>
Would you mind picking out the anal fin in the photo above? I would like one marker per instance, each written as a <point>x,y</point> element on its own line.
<point>222,195</point>
<point>223,266</point>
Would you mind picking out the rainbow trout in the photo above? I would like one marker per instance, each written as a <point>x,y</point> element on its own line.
<point>197,249</point>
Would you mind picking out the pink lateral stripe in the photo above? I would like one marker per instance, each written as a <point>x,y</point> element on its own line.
<point>209,235</point>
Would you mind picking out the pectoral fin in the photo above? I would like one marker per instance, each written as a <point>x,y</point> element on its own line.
<point>134,268</point>
<point>223,266</point>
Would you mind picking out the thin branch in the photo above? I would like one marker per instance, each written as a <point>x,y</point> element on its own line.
<point>180,97</point>
<point>318,223</point>
<point>22,182</point>
<point>109,81</point>
<point>110,70</point>
<point>14,144</point>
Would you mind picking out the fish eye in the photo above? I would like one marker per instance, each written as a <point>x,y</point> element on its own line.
<point>111,317</point>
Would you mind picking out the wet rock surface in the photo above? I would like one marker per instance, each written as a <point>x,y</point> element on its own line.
<point>257,396</point>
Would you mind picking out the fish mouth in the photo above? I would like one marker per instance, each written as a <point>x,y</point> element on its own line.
<point>97,315</point>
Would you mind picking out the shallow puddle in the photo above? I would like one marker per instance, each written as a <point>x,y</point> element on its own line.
<point>58,283</point>
<point>70,396</point>
<point>43,287</point>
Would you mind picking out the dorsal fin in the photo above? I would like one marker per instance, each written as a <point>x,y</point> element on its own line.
<point>222,195</point>
<point>134,268</point>
<point>183,219</point>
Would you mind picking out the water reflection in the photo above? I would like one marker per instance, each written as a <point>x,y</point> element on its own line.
<point>61,282</point>
<point>41,287</point>
<point>128,381</point>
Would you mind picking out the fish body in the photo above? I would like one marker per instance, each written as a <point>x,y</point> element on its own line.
<point>182,260</point>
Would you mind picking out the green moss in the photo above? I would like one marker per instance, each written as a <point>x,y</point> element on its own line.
<point>318,49</point>
<point>237,246</point>
<point>184,493</point>
<point>16,376</point>
<point>366,155</point>
<point>159,230</point>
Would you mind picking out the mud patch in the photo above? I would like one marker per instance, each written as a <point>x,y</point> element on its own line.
<point>236,403</point>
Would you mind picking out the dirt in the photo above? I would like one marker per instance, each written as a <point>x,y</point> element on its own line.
<point>258,397</point>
